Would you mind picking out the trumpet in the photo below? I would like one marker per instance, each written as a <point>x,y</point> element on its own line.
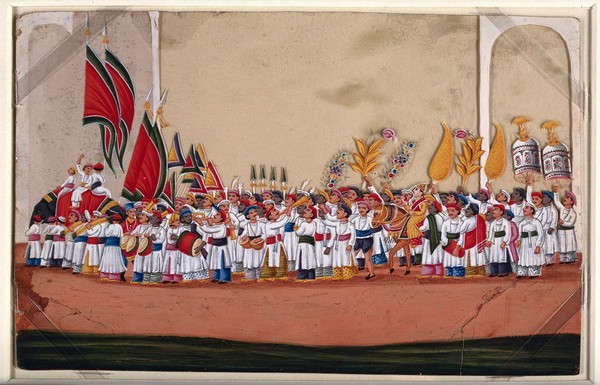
<point>198,216</point>
<point>302,201</point>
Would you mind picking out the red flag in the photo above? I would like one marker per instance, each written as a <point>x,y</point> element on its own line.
<point>147,172</point>
<point>126,98</point>
<point>100,100</point>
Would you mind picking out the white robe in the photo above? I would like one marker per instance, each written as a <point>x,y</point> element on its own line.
<point>172,260</point>
<point>214,258</point>
<point>273,229</point>
<point>340,256</point>
<point>34,247</point>
<point>305,254</point>
<point>437,256</point>
<point>112,260</point>
<point>496,253</point>
<point>452,226</point>
<point>527,257</point>
<point>253,259</point>
<point>567,242</point>
<point>92,251</point>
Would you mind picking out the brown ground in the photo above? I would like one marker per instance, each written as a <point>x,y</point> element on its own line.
<point>386,310</point>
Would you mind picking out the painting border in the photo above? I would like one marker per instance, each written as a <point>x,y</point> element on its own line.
<point>9,11</point>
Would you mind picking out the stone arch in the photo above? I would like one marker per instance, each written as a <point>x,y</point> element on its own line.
<point>490,29</point>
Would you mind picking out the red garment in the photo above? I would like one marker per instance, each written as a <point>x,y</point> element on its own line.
<point>477,236</point>
<point>129,226</point>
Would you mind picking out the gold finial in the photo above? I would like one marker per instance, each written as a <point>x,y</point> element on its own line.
<point>161,118</point>
<point>550,125</point>
<point>520,121</point>
<point>105,39</point>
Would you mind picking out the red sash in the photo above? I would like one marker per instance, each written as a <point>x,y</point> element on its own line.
<point>34,237</point>
<point>321,237</point>
<point>171,246</point>
<point>271,240</point>
<point>58,238</point>
<point>93,240</point>
<point>344,237</point>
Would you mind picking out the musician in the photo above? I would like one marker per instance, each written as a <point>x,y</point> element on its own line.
<point>141,230</point>
<point>290,239</point>
<point>111,266</point>
<point>253,258</point>
<point>73,221</point>
<point>171,269</point>
<point>58,243</point>
<point>32,255</point>
<point>79,235</point>
<point>93,250</point>
<point>47,251</point>
<point>219,260</point>
<point>153,262</point>
<point>275,264</point>
<point>193,269</point>
<point>306,260</point>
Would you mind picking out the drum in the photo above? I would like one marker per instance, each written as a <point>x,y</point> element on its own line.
<point>188,242</point>
<point>144,246</point>
<point>129,246</point>
<point>257,244</point>
<point>245,242</point>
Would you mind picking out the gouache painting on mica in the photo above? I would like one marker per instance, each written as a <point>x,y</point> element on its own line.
<point>300,192</point>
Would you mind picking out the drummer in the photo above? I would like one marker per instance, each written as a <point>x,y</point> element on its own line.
<point>254,230</point>
<point>153,263</point>
<point>140,231</point>
<point>128,225</point>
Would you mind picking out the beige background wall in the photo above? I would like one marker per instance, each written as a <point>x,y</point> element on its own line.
<point>290,89</point>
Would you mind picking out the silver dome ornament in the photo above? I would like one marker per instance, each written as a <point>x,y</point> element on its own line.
<point>555,156</point>
<point>526,153</point>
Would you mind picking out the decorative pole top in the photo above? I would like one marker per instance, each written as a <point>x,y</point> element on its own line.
<point>520,121</point>
<point>550,125</point>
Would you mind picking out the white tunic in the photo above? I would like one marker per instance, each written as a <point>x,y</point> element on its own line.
<point>92,251</point>
<point>566,238</point>
<point>47,247</point>
<point>214,258</point>
<point>498,254</point>
<point>153,262</point>
<point>437,256</point>
<point>527,257</point>
<point>290,239</point>
<point>340,256</point>
<point>138,263</point>
<point>452,226</point>
<point>34,246</point>
<point>305,254</point>
<point>172,260</point>
<point>551,222</point>
<point>112,260</point>
<point>253,259</point>
<point>273,229</point>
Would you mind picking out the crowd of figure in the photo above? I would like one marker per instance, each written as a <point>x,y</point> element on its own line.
<point>330,234</point>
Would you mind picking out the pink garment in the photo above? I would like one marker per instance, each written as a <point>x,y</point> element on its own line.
<point>514,235</point>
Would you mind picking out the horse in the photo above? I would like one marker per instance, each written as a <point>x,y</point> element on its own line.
<point>394,220</point>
